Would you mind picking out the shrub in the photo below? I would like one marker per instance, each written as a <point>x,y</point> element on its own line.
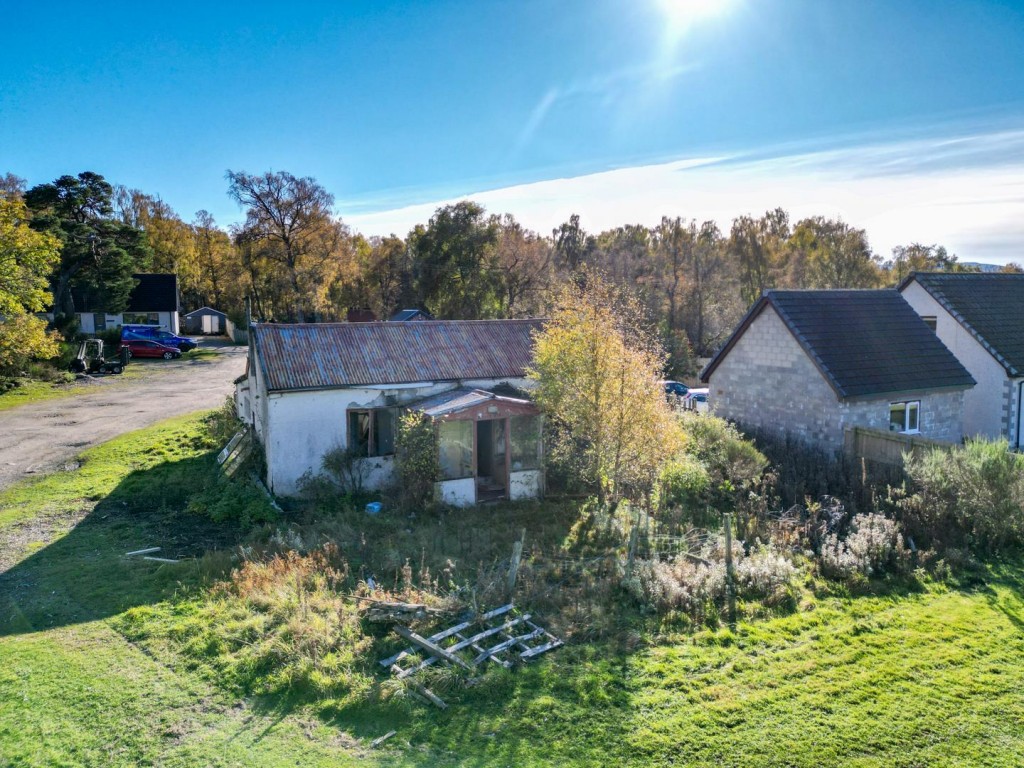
<point>346,467</point>
<point>807,472</point>
<point>416,460</point>
<point>972,496</point>
<point>696,584</point>
<point>873,545</point>
<point>24,338</point>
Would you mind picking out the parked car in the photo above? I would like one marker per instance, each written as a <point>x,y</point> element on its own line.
<point>165,337</point>
<point>674,389</point>
<point>149,348</point>
<point>696,400</point>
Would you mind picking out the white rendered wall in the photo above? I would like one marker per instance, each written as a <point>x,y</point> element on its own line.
<point>458,493</point>
<point>987,405</point>
<point>525,484</point>
<point>300,427</point>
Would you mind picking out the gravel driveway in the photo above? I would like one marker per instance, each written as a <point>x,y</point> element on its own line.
<point>39,437</point>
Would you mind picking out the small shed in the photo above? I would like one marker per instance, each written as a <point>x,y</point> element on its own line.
<point>206,320</point>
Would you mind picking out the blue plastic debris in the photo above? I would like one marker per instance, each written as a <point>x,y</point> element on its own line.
<point>374,507</point>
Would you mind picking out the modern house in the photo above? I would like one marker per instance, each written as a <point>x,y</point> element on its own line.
<point>153,301</point>
<point>312,388</point>
<point>816,363</point>
<point>205,320</point>
<point>980,317</point>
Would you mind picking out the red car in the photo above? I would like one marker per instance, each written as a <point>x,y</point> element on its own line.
<point>148,348</point>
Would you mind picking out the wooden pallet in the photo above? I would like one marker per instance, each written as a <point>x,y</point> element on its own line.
<point>468,644</point>
<point>235,452</point>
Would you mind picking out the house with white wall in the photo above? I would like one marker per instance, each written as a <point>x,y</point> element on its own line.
<point>813,364</point>
<point>980,317</point>
<point>153,301</point>
<point>313,388</point>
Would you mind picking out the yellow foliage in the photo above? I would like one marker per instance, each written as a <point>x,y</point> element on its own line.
<point>22,338</point>
<point>599,376</point>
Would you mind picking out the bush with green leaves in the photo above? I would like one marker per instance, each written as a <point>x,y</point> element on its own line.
<point>970,496</point>
<point>416,460</point>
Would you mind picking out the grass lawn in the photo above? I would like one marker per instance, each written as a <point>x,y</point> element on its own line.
<point>32,391</point>
<point>92,671</point>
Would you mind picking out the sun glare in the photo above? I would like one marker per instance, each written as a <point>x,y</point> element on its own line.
<point>682,14</point>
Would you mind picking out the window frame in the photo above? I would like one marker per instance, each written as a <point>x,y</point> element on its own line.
<point>372,451</point>
<point>909,407</point>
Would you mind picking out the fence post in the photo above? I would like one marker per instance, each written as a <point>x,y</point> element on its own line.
<point>730,581</point>
<point>513,565</point>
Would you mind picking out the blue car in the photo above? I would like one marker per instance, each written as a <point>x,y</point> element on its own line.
<point>152,333</point>
<point>675,388</point>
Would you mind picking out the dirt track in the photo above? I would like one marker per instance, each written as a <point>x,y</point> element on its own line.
<point>39,437</point>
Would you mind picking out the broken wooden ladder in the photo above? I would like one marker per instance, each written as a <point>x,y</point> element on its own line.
<point>518,639</point>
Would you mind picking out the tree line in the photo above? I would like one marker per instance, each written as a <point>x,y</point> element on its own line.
<point>297,260</point>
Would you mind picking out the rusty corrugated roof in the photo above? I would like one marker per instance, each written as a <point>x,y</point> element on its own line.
<point>335,355</point>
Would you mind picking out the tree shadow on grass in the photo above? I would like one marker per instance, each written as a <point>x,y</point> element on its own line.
<point>84,574</point>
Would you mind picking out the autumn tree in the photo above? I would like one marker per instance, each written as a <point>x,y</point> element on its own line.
<point>99,253</point>
<point>289,226</point>
<point>218,267</point>
<point>27,258</point>
<point>757,248</point>
<point>597,374</point>
<point>524,261</point>
<point>919,258</point>
<point>834,255</point>
<point>456,275</point>
<point>573,245</point>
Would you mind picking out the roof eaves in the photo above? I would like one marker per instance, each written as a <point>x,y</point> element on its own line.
<point>937,294</point>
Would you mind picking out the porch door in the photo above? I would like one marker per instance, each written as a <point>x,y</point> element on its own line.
<point>491,467</point>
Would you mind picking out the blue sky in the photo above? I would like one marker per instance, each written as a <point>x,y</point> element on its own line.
<point>395,107</point>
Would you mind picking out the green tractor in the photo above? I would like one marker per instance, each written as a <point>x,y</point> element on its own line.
<point>90,359</point>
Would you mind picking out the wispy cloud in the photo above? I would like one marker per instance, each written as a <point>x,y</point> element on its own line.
<point>613,90</point>
<point>965,192</point>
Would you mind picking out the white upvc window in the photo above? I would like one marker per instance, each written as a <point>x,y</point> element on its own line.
<point>905,417</point>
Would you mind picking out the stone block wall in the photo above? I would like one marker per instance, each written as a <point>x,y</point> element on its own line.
<point>768,381</point>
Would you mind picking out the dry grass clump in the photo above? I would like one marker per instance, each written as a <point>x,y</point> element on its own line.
<point>695,583</point>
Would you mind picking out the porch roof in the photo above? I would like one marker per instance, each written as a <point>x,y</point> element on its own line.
<point>466,403</point>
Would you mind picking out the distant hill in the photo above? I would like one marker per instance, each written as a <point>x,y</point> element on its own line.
<point>981,267</point>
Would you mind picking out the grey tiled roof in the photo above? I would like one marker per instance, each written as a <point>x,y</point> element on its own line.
<point>864,342</point>
<point>989,305</point>
<point>335,355</point>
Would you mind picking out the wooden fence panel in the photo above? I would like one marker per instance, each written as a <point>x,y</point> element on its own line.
<point>887,447</point>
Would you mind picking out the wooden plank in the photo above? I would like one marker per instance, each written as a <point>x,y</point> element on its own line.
<point>433,648</point>
<point>540,649</point>
<point>433,638</point>
<point>425,692</point>
<point>381,739</point>
<point>489,652</point>
<point>232,443</point>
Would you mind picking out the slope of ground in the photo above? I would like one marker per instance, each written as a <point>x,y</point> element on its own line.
<point>932,677</point>
<point>40,436</point>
